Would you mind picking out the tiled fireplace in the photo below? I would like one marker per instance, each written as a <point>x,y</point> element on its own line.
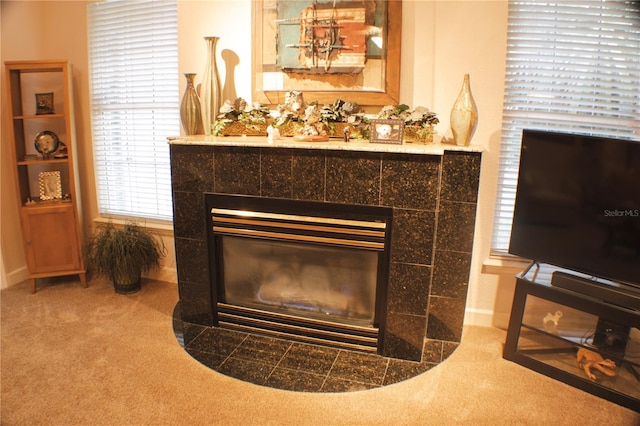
<point>430,190</point>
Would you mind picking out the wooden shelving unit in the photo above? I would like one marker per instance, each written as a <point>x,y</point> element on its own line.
<point>45,182</point>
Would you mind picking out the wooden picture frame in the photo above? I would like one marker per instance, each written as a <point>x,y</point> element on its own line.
<point>50,185</point>
<point>386,131</point>
<point>378,83</point>
<point>44,103</point>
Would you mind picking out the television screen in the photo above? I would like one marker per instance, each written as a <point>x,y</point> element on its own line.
<point>578,204</point>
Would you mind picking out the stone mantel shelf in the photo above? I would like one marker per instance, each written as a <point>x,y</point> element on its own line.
<point>335,144</point>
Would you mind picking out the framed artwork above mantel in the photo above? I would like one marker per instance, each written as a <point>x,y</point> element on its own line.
<point>327,50</point>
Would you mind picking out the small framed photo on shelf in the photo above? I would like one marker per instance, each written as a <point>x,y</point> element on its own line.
<point>387,131</point>
<point>44,103</point>
<point>50,185</point>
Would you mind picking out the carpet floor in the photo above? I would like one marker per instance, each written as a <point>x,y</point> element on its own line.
<point>75,356</point>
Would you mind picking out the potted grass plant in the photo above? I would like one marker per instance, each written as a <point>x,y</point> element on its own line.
<point>123,254</point>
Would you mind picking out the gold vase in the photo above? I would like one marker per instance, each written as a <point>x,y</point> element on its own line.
<point>210,92</point>
<point>464,115</point>
<point>190,111</point>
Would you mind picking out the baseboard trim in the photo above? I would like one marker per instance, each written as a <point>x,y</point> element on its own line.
<point>16,277</point>
<point>20,275</point>
<point>166,274</point>
<point>486,318</point>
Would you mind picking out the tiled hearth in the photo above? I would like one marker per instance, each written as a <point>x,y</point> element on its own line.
<point>433,194</point>
<point>298,366</point>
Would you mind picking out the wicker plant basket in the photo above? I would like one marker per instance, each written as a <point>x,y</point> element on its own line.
<point>238,128</point>
<point>290,128</point>
<point>417,134</point>
<point>336,130</point>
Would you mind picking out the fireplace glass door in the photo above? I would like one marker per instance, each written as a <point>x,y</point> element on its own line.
<point>328,283</point>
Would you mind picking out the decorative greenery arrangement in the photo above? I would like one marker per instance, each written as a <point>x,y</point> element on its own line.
<point>249,119</point>
<point>418,122</point>
<point>290,115</point>
<point>341,114</point>
<point>123,254</point>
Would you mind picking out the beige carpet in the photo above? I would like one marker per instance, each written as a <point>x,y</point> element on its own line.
<point>92,357</point>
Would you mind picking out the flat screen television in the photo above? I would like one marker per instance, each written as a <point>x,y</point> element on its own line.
<point>578,204</point>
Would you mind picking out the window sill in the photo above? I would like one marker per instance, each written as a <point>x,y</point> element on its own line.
<point>503,265</point>
<point>164,228</point>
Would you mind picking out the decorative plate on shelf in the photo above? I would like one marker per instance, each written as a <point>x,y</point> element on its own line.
<point>46,143</point>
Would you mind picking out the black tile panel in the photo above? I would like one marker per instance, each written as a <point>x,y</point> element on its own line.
<point>192,260</point>
<point>237,170</point>
<point>191,168</point>
<point>295,380</point>
<point>360,367</point>
<point>246,370</point>
<point>188,331</point>
<point>308,175</point>
<point>448,348</point>
<point>217,340</point>
<point>353,177</point>
<point>193,276</point>
<point>410,181</point>
<point>335,384</point>
<point>400,370</point>
<point>404,336</point>
<point>456,224</point>
<point>314,359</point>
<point>413,236</point>
<point>446,316</point>
<point>195,302</point>
<point>451,274</point>
<point>208,359</point>
<point>460,176</point>
<point>432,351</point>
<point>275,173</point>
<point>189,215</point>
<point>269,351</point>
<point>408,289</point>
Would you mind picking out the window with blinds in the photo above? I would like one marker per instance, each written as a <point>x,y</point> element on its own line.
<point>572,66</point>
<point>133,58</point>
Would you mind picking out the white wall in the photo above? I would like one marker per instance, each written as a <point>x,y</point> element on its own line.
<point>441,41</point>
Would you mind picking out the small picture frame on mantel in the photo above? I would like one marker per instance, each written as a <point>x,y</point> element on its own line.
<point>387,131</point>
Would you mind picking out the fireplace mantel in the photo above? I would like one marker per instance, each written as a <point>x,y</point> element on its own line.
<point>334,144</point>
<point>432,189</point>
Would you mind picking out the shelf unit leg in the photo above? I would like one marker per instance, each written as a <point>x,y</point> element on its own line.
<point>32,285</point>
<point>83,279</point>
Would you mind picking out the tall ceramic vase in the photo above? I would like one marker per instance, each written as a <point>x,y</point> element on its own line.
<point>190,109</point>
<point>464,115</point>
<point>210,93</point>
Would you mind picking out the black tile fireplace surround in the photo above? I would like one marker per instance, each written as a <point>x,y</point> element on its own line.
<point>434,200</point>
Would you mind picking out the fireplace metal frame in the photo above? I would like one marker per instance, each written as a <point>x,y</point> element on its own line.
<point>316,223</point>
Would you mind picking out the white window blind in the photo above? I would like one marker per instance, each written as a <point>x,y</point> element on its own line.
<point>572,66</point>
<point>133,57</point>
